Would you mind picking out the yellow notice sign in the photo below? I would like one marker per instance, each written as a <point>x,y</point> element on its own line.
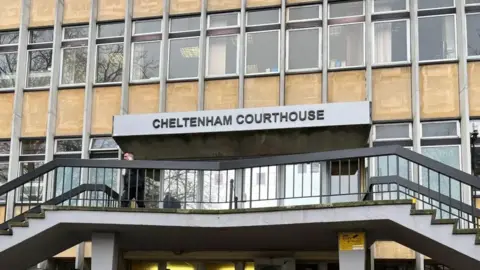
<point>351,241</point>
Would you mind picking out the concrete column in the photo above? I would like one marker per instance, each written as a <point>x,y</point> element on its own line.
<point>283,54</point>
<point>164,57</point>
<point>241,59</point>
<point>238,266</point>
<point>105,253</point>
<point>325,62</point>
<point>352,253</point>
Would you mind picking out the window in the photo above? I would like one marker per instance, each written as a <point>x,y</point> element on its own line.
<point>263,17</point>
<point>32,147</point>
<point>103,144</point>
<point>75,32</point>
<point>146,61</point>
<point>473,34</point>
<point>262,50</point>
<point>393,132</point>
<point>224,20</point>
<point>432,4</point>
<point>33,191</point>
<point>111,30</point>
<point>41,36</point>
<point>9,38</point>
<point>346,9</point>
<point>440,129</point>
<point>39,68</point>
<point>8,70</point>
<point>304,49</point>
<point>222,55</point>
<point>261,178</point>
<point>4,148</point>
<point>147,27</point>
<point>68,146</point>
<point>472,2</point>
<point>346,47</point>
<point>183,58</point>
<point>384,6</point>
<point>391,42</point>
<point>185,24</point>
<point>437,37</point>
<point>447,154</point>
<point>109,63</point>
<point>304,13</point>
<point>74,65</point>
<point>3,178</point>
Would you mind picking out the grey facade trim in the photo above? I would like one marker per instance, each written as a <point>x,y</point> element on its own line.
<point>13,165</point>
<point>325,62</point>
<point>414,52</point>
<point>127,57</point>
<point>283,53</point>
<point>202,56</point>
<point>463,84</point>
<point>164,57</point>
<point>87,110</point>
<point>241,60</point>
<point>368,49</point>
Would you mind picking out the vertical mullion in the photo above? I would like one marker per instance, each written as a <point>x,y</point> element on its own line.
<point>127,55</point>
<point>164,56</point>
<point>325,55</point>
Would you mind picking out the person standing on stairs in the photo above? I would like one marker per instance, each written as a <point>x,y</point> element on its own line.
<point>133,184</point>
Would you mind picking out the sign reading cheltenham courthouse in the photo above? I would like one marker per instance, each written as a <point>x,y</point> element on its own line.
<point>281,117</point>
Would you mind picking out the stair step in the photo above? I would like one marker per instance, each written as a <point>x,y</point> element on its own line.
<point>6,232</point>
<point>444,221</point>
<point>422,212</point>
<point>35,215</point>
<point>18,224</point>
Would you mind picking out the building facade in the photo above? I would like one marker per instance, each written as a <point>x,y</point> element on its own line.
<point>68,66</point>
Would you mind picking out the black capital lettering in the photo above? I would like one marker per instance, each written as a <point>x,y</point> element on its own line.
<point>320,115</point>
<point>240,119</point>
<point>156,123</point>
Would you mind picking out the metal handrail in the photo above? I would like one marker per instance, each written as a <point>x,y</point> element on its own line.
<point>395,150</point>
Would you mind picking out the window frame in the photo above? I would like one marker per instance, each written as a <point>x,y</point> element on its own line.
<point>15,75</point>
<point>60,83</point>
<point>319,47</point>
<point>168,59</point>
<point>96,64</point>
<point>65,139</point>
<point>437,8</point>
<point>109,37</point>
<point>207,57</point>
<point>262,24</point>
<point>132,59</point>
<point>209,27</point>
<point>410,133</point>
<point>29,155</point>
<point>320,11</point>
<point>391,12</point>
<point>134,27</point>
<point>28,70</point>
<point>409,59</point>
<point>29,41</point>
<point>9,148</point>
<point>184,31</point>
<point>443,146</point>
<point>91,149</point>
<point>35,183</point>
<point>354,16</point>
<point>457,124</point>
<point>455,38</point>
<point>12,44</point>
<point>472,5</point>
<point>74,39</point>
<point>246,53</point>
<point>364,46</point>
<point>466,31</point>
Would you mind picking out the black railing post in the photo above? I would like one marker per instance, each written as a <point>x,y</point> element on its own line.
<point>230,201</point>
<point>473,140</point>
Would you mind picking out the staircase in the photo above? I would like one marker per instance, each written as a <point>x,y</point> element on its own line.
<point>396,205</point>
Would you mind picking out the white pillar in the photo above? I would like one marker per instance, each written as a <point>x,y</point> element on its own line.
<point>351,251</point>
<point>105,252</point>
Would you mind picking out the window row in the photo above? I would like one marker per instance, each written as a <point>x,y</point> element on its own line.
<point>429,130</point>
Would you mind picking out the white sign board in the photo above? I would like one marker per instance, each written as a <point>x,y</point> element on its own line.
<point>281,117</point>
